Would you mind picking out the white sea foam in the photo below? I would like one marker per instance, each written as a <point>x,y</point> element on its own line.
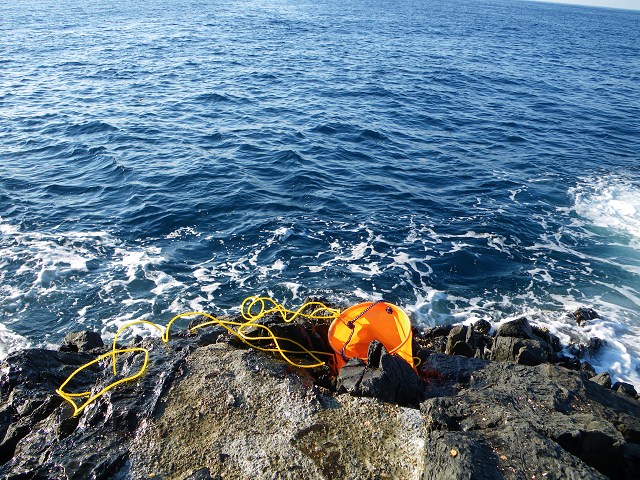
<point>609,202</point>
<point>11,342</point>
<point>280,235</point>
<point>617,326</point>
<point>434,307</point>
<point>135,280</point>
<point>293,287</point>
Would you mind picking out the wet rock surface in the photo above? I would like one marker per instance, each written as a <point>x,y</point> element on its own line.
<point>507,405</point>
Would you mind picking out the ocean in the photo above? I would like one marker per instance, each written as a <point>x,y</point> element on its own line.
<point>463,159</point>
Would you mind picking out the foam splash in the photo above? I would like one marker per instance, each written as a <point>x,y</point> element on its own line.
<point>135,282</point>
<point>617,327</point>
<point>11,342</point>
<point>609,202</point>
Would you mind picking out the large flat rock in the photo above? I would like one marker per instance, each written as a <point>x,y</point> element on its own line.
<point>238,414</point>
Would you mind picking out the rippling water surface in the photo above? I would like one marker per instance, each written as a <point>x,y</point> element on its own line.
<point>463,159</point>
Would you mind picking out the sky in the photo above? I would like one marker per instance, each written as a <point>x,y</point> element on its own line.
<point>628,4</point>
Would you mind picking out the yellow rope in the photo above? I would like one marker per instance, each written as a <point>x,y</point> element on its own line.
<point>70,396</point>
<point>247,305</point>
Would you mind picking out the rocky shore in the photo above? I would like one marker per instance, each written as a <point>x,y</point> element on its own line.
<point>484,403</point>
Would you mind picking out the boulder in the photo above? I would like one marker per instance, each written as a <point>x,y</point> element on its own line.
<point>206,410</point>
<point>482,326</point>
<point>520,328</point>
<point>586,350</point>
<point>583,314</point>
<point>386,377</point>
<point>81,341</point>
<point>603,379</point>
<point>198,412</point>
<point>625,388</point>
<point>461,341</point>
<point>522,351</point>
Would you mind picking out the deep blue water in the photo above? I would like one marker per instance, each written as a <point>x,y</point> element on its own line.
<point>463,159</point>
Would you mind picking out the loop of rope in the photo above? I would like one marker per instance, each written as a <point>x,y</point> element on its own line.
<point>251,319</point>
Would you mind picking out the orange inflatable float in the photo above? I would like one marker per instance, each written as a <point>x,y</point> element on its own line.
<point>357,326</point>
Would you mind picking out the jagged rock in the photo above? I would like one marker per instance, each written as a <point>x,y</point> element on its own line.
<point>438,331</point>
<point>625,388</point>
<point>434,338</point>
<point>583,314</point>
<point>539,419</point>
<point>603,379</point>
<point>176,420</point>
<point>520,328</point>
<point>438,344</point>
<point>206,410</point>
<point>461,341</point>
<point>514,450</point>
<point>587,370</point>
<point>532,352</point>
<point>482,326</point>
<point>522,351</point>
<point>350,376</point>
<point>505,349</point>
<point>582,350</point>
<point>81,341</point>
<point>549,338</point>
<point>394,381</point>
<point>374,353</point>
<point>386,377</point>
<point>484,344</point>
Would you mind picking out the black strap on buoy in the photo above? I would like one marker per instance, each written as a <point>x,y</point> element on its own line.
<point>351,325</point>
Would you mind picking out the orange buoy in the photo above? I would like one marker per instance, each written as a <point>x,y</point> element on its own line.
<point>381,321</point>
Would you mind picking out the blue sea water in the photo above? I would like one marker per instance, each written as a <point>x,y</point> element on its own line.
<point>463,159</point>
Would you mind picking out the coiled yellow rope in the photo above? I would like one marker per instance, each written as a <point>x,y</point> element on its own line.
<point>247,306</point>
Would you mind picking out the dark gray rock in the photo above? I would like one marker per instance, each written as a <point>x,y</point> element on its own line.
<point>210,334</point>
<point>394,382</point>
<point>436,332</point>
<point>603,379</point>
<point>513,450</point>
<point>350,376</point>
<point>630,464</point>
<point>586,350</point>
<point>505,349</point>
<point>202,411</point>
<point>583,314</point>
<point>81,341</point>
<point>533,352</point>
<point>175,421</point>
<point>461,341</point>
<point>625,388</point>
<point>374,353</point>
<point>291,331</point>
<point>549,338</point>
<point>482,326</point>
<point>523,351</point>
<point>520,328</point>
<point>574,425</point>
